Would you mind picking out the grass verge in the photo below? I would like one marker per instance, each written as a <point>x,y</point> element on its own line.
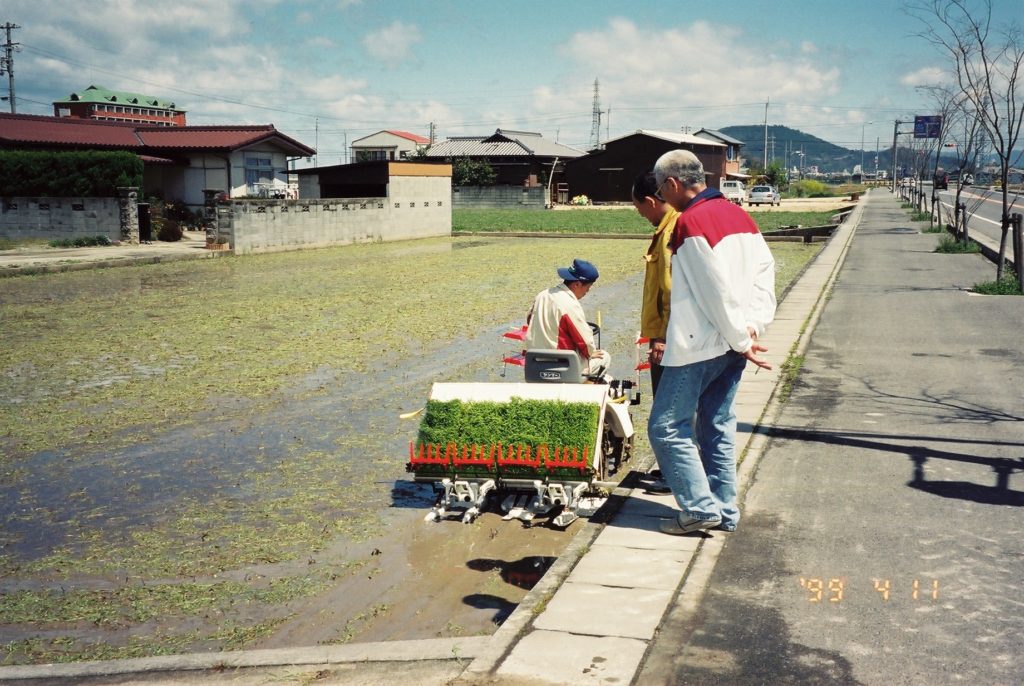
<point>1008,285</point>
<point>950,245</point>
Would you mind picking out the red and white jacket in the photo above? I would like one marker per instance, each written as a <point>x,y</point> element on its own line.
<point>557,322</point>
<point>723,281</point>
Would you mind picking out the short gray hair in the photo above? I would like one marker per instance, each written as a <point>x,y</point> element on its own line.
<point>682,165</point>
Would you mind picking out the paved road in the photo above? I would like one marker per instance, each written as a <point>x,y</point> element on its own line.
<point>883,539</point>
<point>984,209</point>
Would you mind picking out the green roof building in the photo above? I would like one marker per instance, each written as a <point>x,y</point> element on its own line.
<point>96,102</point>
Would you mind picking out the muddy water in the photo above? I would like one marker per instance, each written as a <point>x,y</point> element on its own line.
<point>337,436</point>
<point>353,417</point>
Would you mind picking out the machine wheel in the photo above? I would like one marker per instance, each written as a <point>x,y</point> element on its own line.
<point>612,447</point>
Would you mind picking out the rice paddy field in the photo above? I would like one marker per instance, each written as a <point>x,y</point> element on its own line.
<point>604,221</point>
<point>208,455</point>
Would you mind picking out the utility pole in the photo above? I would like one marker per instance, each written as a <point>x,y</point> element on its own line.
<point>433,132</point>
<point>766,133</point>
<point>7,64</point>
<point>895,133</point>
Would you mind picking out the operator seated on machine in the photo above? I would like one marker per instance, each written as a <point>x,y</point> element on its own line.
<point>556,320</point>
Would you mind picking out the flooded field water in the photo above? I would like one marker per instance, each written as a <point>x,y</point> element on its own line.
<point>207,455</point>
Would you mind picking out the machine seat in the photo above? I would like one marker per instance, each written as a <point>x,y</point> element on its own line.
<point>553,366</point>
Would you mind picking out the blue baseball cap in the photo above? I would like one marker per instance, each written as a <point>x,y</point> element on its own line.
<point>581,270</point>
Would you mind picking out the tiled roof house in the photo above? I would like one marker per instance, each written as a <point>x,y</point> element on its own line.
<point>520,158</point>
<point>180,162</point>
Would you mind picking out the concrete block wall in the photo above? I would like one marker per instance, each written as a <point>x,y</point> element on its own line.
<point>498,197</point>
<point>58,218</point>
<point>417,207</point>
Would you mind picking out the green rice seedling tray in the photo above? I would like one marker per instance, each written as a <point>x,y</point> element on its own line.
<point>511,431</point>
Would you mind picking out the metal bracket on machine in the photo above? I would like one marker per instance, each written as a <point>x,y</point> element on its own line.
<point>568,497</point>
<point>460,493</point>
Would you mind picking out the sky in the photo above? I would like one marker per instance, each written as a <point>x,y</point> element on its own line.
<point>327,72</point>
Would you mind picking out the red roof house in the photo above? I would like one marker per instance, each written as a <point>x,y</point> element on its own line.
<point>181,161</point>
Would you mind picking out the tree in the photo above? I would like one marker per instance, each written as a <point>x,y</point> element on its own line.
<point>987,66</point>
<point>469,172</point>
<point>964,138</point>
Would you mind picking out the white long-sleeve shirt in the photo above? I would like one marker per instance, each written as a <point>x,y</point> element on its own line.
<point>723,281</point>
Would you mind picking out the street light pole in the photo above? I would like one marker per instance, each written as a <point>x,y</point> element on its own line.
<point>862,150</point>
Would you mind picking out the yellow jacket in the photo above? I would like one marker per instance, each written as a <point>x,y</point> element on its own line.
<point>658,279</point>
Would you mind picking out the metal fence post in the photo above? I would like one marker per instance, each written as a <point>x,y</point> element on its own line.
<point>1018,248</point>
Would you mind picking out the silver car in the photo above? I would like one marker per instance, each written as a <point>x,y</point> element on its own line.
<point>763,194</point>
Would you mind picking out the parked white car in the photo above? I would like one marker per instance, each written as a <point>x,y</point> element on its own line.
<point>764,194</point>
<point>733,190</point>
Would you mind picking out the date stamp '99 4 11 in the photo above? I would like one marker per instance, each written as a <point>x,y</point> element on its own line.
<point>835,589</point>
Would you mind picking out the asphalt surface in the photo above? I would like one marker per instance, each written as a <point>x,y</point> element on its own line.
<point>882,538</point>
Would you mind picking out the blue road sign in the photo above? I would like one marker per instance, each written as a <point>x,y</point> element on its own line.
<point>928,126</point>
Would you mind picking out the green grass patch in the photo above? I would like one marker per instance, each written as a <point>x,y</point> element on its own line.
<point>618,221</point>
<point>15,243</point>
<point>790,371</point>
<point>1008,285</point>
<point>222,610</point>
<point>136,604</point>
<point>81,242</point>
<point>951,245</point>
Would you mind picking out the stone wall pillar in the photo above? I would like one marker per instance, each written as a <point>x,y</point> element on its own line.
<point>210,214</point>
<point>128,199</point>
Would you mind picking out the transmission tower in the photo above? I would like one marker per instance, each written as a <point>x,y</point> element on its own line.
<point>595,127</point>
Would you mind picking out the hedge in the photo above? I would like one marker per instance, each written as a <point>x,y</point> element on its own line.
<point>84,174</point>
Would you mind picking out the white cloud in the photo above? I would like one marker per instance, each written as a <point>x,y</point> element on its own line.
<point>320,43</point>
<point>808,48</point>
<point>926,76</point>
<point>393,43</point>
<point>699,74</point>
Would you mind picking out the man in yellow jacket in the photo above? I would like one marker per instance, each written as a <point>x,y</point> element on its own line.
<point>657,275</point>
<point>657,284</point>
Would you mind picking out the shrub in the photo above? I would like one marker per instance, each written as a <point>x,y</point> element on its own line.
<point>949,244</point>
<point>1005,286</point>
<point>80,241</point>
<point>67,174</point>
<point>169,231</point>
<point>809,188</point>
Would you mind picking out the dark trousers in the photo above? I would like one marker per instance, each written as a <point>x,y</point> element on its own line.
<point>656,370</point>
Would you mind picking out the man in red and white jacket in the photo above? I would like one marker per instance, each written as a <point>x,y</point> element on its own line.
<point>723,297</point>
<point>556,320</point>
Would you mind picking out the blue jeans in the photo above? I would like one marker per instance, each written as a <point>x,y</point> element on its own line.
<point>692,429</point>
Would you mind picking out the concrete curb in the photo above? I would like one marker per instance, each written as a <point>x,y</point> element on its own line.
<point>30,269</point>
<point>389,651</point>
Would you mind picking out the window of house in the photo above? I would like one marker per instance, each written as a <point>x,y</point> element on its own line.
<point>259,172</point>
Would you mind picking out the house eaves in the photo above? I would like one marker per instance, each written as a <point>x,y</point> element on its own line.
<point>65,132</point>
<point>672,137</point>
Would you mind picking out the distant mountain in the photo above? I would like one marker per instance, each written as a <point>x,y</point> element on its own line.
<point>827,156</point>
